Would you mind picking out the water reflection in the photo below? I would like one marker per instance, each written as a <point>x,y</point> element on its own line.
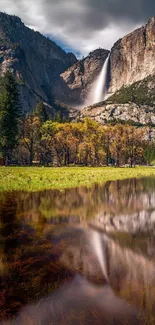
<point>80,303</point>
<point>86,252</point>
<point>75,205</point>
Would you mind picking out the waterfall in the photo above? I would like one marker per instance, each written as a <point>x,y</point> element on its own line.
<point>100,84</point>
<point>99,250</point>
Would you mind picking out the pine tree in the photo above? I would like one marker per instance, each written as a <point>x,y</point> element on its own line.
<point>9,115</point>
<point>58,116</point>
<point>41,113</point>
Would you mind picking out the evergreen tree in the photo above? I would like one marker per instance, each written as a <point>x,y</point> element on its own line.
<point>58,116</point>
<point>9,115</point>
<point>41,113</point>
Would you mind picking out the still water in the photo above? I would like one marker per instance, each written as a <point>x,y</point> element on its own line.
<point>79,256</point>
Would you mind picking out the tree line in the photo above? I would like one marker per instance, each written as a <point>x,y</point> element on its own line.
<point>35,138</point>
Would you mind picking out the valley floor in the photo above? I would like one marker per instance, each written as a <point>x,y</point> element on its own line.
<point>42,178</point>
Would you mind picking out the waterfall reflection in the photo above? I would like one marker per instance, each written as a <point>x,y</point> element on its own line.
<point>46,241</point>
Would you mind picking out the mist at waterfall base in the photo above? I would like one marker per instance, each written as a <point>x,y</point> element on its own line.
<point>99,89</point>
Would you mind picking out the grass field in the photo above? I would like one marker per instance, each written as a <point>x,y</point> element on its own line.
<point>37,178</point>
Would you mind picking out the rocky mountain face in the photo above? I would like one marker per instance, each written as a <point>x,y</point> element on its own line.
<point>36,61</point>
<point>132,58</point>
<point>76,84</point>
<point>131,78</point>
<point>131,93</point>
<point>135,103</point>
<point>45,72</point>
<point>112,112</point>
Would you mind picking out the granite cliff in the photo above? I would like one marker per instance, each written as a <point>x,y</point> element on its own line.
<point>45,72</point>
<point>76,83</point>
<point>35,60</point>
<point>131,92</point>
<point>132,58</point>
<point>133,104</point>
<point>115,113</point>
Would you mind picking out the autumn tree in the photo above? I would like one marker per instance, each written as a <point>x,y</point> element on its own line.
<point>30,136</point>
<point>90,149</point>
<point>50,150</point>
<point>66,144</point>
<point>85,143</point>
<point>105,138</point>
<point>118,144</point>
<point>134,148</point>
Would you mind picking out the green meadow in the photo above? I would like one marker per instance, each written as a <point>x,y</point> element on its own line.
<point>42,178</point>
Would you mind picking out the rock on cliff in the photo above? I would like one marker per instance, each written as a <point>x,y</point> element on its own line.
<point>76,84</point>
<point>133,57</point>
<point>112,112</point>
<point>36,61</point>
<point>134,104</point>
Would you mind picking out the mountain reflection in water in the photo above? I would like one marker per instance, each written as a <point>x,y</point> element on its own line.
<point>52,273</point>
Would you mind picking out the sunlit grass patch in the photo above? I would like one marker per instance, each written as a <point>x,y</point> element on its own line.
<point>37,178</point>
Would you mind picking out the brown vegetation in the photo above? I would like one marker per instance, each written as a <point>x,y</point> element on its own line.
<point>84,143</point>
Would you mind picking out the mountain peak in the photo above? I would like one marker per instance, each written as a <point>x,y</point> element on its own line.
<point>98,52</point>
<point>4,15</point>
<point>35,60</point>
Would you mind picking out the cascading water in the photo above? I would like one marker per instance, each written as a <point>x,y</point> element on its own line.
<point>101,83</point>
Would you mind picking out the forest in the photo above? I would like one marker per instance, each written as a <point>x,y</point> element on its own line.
<point>35,138</point>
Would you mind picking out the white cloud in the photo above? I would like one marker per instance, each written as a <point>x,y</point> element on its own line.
<point>82,25</point>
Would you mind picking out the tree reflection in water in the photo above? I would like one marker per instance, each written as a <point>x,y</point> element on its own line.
<point>45,243</point>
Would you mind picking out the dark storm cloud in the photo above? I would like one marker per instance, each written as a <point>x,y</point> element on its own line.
<point>83,24</point>
<point>98,14</point>
<point>103,12</point>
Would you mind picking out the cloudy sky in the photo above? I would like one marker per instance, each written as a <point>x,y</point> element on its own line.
<point>82,25</point>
